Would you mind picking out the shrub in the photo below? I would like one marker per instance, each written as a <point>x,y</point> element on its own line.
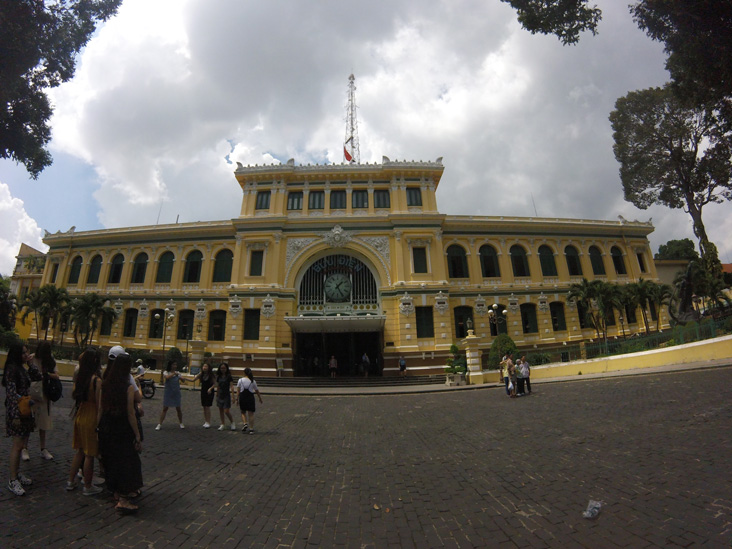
<point>456,364</point>
<point>500,346</point>
<point>536,359</point>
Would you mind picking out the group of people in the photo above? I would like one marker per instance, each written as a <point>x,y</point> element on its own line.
<point>516,376</point>
<point>106,414</point>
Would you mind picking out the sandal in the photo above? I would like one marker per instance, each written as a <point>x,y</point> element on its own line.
<point>126,509</point>
<point>133,495</point>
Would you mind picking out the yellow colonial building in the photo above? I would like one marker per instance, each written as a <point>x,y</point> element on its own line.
<point>340,260</point>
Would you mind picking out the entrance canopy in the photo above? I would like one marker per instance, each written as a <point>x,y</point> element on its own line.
<point>335,324</point>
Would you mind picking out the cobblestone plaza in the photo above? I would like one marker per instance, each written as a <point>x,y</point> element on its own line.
<point>452,469</point>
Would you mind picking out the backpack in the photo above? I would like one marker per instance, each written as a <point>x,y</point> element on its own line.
<point>52,388</point>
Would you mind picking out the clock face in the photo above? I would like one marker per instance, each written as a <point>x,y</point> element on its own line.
<point>337,287</point>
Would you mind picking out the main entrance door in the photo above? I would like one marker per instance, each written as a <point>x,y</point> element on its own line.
<point>314,350</point>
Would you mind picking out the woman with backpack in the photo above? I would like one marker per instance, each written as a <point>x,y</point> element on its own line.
<point>42,404</point>
<point>246,389</point>
<point>19,422</point>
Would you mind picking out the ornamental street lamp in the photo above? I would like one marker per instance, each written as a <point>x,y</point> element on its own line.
<point>494,318</point>
<point>169,318</point>
<point>469,325</point>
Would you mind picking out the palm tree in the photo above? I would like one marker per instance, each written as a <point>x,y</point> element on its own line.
<point>34,303</point>
<point>55,299</point>
<point>598,298</point>
<point>89,311</point>
<point>661,295</point>
<point>583,293</point>
<point>643,290</point>
<point>625,301</point>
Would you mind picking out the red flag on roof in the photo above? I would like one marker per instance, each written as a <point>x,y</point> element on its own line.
<point>345,153</point>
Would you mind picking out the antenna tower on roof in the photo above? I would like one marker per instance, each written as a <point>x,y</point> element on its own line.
<point>351,150</point>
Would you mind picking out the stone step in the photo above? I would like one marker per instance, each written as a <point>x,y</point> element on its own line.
<point>349,381</point>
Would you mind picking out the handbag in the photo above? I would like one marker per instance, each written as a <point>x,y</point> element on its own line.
<point>52,387</point>
<point>25,407</point>
<point>36,391</point>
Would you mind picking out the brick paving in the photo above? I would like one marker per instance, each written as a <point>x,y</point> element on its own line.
<point>451,469</point>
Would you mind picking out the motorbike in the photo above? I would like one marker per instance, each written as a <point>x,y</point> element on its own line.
<point>148,388</point>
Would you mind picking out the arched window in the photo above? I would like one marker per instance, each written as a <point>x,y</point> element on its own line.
<point>546,258</point>
<point>598,266</point>
<point>457,262</point>
<point>185,324</point>
<point>130,326</point>
<point>217,326</point>
<point>95,267</point>
<point>192,271</point>
<point>528,318</point>
<point>573,261</point>
<point>500,325</point>
<point>618,261</point>
<point>556,310</point>
<point>519,262</point>
<point>139,268</point>
<point>115,269</point>
<point>489,262</point>
<point>75,270</point>
<point>462,314</point>
<point>222,266</point>
<point>165,268</point>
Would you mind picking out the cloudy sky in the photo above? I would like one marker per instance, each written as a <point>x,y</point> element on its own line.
<point>171,93</point>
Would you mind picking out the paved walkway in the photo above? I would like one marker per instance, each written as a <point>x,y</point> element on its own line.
<point>465,468</point>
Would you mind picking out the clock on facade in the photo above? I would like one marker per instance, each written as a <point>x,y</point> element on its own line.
<point>337,287</point>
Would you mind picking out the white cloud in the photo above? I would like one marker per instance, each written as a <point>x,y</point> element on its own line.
<point>17,228</point>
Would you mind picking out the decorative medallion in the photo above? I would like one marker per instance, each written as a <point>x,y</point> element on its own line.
<point>480,307</point>
<point>441,303</point>
<point>337,237</point>
<point>144,309</point>
<point>200,310</point>
<point>380,244</point>
<point>406,304</point>
<point>235,306</point>
<point>118,307</point>
<point>513,304</point>
<point>268,307</point>
<point>543,303</point>
<point>295,246</point>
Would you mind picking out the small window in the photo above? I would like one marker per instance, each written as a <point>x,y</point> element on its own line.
<point>546,258</point>
<point>139,268</point>
<point>598,266</point>
<point>556,309</point>
<point>382,198</point>
<point>217,326</point>
<point>262,200</point>
<point>457,262</point>
<point>251,324</point>
<point>425,322</point>
<point>630,317</point>
<point>641,262</point>
<point>222,266</point>
<point>573,261</point>
<point>75,270</point>
<point>185,324</point>
<point>115,269</point>
<point>337,200</point>
<point>165,268</point>
<point>519,262</point>
<point>316,200</point>
<point>462,314</point>
<point>105,326</point>
<point>94,269</point>
<point>294,200</point>
<point>618,261</point>
<point>255,264</point>
<point>360,199</point>
<point>192,271</point>
<point>130,326</point>
<point>528,318</point>
<point>414,197</point>
<point>54,272</point>
<point>419,256</point>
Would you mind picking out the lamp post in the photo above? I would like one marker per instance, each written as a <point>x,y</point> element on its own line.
<point>494,318</point>
<point>167,322</point>
<point>622,326</point>
<point>469,325</point>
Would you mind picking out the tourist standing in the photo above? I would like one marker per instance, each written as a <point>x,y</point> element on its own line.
<point>333,366</point>
<point>365,364</point>
<point>171,395</point>
<point>42,406</point>
<point>504,373</point>
<point>224,387</point>
<point>526,370</point>
<point>520,378</point>
<point>512,379</point>
<point>205,377</point>
<point>120,440</point>
<point>87,394</point>
<point>19,422</point>
<point>402,366</point>
<point>246,389</point>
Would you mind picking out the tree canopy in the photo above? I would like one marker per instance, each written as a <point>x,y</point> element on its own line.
<point>566,19</point>
<point>677,249</point>
<point>39,42</point>
<point>670,154</point>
